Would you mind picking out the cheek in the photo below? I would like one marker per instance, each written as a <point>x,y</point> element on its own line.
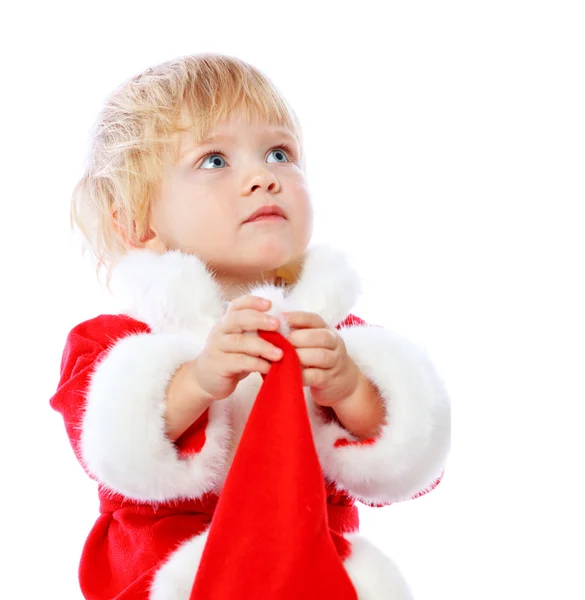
<point>310,219</point>
<point>175,217</point>
<point>303,206</point>
<point>185,211</point>
<point>298,193</point>
<point>308,228</point>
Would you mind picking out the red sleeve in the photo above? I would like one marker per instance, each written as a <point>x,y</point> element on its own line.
<point>351,321</point>
<point>86,345</point>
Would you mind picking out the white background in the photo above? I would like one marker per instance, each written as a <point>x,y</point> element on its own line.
<point>446,147</point>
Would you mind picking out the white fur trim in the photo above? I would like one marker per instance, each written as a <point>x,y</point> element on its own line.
<point>328,285</point>
<point>373,574</point>
<point>410,453</point>
<point>123,440</point>
<point>280,303</point>
<point>241,403</point>
<point>170,292</point>
<point>175,579</point>
<point>175,291</point>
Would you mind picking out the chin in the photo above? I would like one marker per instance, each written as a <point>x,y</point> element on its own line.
<point>273,254</point>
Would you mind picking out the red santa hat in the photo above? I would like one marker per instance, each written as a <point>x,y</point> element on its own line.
<point>269,537</point>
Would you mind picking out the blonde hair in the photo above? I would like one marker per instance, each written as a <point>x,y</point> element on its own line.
<point>136,134</point>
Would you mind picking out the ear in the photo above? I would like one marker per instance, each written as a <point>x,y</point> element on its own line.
<point>149,239</point>
<point>152,241</point>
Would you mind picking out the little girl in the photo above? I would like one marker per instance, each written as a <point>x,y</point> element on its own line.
<point>195,203</point>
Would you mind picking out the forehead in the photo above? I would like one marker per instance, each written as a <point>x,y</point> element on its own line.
<point>232,130</point>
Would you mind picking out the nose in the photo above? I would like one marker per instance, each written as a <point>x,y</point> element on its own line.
<point>261,178</point>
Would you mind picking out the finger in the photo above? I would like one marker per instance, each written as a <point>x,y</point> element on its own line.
<point>242,363</point>
<point>316,357</point>
<point>302,320</point>
<point>248,320</point>
<point>251,345</point>
<point>249,301</point>
<point>314,338</point>
<point>314,377</point>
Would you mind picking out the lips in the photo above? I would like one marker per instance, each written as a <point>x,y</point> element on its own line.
<point>266,212</point>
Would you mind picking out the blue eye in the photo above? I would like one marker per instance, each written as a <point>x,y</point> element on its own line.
<point>216,157</point>
<point>279,154</point>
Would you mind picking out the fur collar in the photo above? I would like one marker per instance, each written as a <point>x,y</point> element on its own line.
<point>175,292</point>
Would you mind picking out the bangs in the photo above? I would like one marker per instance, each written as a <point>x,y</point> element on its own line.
<point>218,96</point>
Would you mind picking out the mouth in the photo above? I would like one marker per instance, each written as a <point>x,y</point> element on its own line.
<point>267,214</point>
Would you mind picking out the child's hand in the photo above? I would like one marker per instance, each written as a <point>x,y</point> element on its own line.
<point>327,368</point>
<point>230,354</point>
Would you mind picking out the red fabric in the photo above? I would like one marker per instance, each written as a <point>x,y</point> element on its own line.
<point>343,442</point>
<point>86,345</point>
<point>130,540</point>
<point>274,498</point>
<point>193,440</point>
<point>351,321</point>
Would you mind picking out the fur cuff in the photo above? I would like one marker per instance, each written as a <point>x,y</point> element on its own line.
<point>123,439</point>
<point>174,580</point>
<point>373,574</point>
<point>409,454</point>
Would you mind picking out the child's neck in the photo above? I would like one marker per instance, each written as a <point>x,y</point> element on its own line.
<point>233,286</point>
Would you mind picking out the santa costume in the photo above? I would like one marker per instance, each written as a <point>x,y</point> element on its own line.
<point>257,498</point>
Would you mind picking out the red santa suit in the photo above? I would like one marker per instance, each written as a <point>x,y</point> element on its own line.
<point>158,497</point>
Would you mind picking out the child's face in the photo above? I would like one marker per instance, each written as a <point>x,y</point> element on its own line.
<point>204,202</point>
